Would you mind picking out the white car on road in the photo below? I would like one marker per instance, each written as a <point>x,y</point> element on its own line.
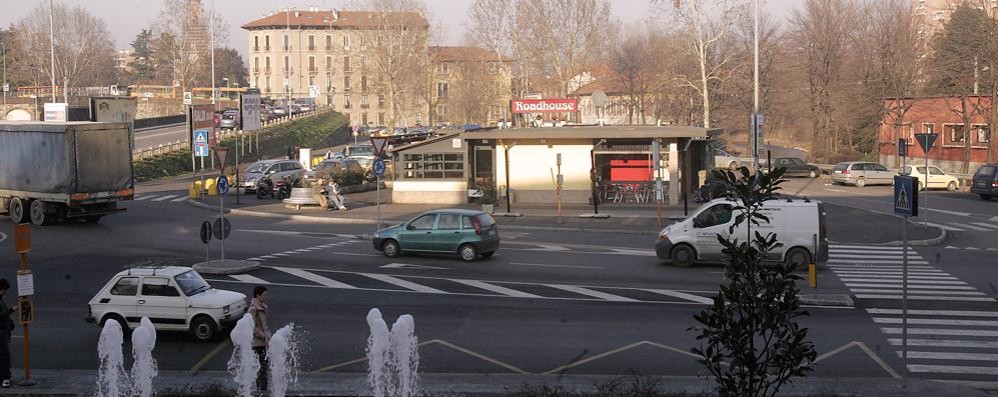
<point>937,179</point>
<point>174,298</point>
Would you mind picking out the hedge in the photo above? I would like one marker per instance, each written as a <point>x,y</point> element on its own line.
<point>274,142</point>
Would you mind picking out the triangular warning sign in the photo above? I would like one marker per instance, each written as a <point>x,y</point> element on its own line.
<point>200,137</point>
<point>379,144</point>
<point>221,153</point>
<point>902,200</point>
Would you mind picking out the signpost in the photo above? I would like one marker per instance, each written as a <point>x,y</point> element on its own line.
<point>202,125</point>
<point>25,290</point>
<point>188,98</point>
<point>757,138</point>
<point>926,141</point>
<point>905,204</point>
<point>559,183</point>
<point>378,147</point>
<point>249,119</point>
<point>222,184</point>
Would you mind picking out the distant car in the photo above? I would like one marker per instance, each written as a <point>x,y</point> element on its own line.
<point>276,169</point>
<point>295,109</point>
<point>796,167</point>
<point>467,233</point>
<point>280,111</point>
<point>335,165</point>
<point>861,173</point>
<point>174,298</point>
<point>228,122</point>
<point>986,181</point>
<point>937,179</point>
<point>304,107</point>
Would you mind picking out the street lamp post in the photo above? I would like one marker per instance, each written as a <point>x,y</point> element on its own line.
<point>52,48</point>
<point>287,48</point>
<point>212,26</point>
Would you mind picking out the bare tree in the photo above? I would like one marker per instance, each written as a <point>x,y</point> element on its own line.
<point>83,46</point>
<point>490,26</point>
<point>706,23</point>
<point>184,40</point>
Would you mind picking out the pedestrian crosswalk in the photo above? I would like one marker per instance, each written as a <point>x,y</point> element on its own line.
<point>367,281</point>
<point>965,226</point>
<point>945,340</point>
<point>161,197</point>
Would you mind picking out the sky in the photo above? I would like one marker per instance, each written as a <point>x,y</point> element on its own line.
<point>125,18</point>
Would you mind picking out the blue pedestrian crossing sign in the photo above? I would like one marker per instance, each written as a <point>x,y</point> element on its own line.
<point>905,195</point>
<point>201,143</point>
<point>379,167</point>
<point>223,185</point>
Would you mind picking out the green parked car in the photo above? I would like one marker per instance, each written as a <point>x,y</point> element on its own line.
<point>467,233</point>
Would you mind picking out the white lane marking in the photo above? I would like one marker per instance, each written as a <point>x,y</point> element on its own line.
<point>898,287</point>
<point>954,369</point>
<point>268,257</point>
<point>897,267</point>
<point>898,280</point>
<point>918,312</point>
<point>950,247</point>
<point>402,283</point>
<point>494,288</point>
<point>409,266</point>
<point>167,197</point>
<point>621,251</point>
<point>546,247</point>
<point>547,265</point>
<point>950,228</point>
<point>278,254</point>
<point>315,278</point>
<point>682,295</point>
<point>875,261</point>
<point>988,225</point>
<point>969,344</point>
<point>952,356</point>
<point>920,292</point>
<point>898,277</point>
<point>972,227</point>
<point>255,259</point>
<point>248,279</point>
<point>941,331</point>
<point>179,199</point>
<point>592,293</point>
<point>892,272</point>
<point>948,212</point>
<point>867,247</point>
<point>881,256</point>
<point>928,298</point>
<point>354,254</point>
<point>937,321</point>
<point>143,197</point>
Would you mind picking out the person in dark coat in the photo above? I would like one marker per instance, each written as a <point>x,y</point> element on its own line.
<point>6,326</point>
<point>261,333</point>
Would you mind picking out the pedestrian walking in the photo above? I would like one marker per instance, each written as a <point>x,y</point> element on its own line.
<point>6,326</point>
<point>261,333</point>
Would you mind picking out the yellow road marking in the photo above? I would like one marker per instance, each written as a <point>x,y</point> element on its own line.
<point>440,342</point>
<point>197,367</point>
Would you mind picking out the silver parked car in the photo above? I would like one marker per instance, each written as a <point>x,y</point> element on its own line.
<point>276,169</point>
<point>861,173</point>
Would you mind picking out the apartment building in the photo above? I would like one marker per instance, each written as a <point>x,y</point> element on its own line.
<point>935,13</point>
<point>469,85</point>
<point>339,59</point>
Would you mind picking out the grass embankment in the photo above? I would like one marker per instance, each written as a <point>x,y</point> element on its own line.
<point>274,142</point>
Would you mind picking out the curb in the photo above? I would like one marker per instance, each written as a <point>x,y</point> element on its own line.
<point>839,300</point>
<point>228,266</point>
<point>932,241</point>
<point>197,204</point>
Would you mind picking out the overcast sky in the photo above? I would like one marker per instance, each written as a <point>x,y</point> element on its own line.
<point>125,18</point>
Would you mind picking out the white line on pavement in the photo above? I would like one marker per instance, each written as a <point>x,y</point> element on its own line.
<point>897,267</point>
<point>547,247</point>
<point>955,313</point>
<point>592,293</point>
<point>179,199</point>
<point>940,282</point>
<point>494,288</point>
<point>928,298</point>
<point>969,344</point>
<point>952,356</point>
<point>898,286</point>
<point>875,261</point>
<point>892,276</point>
<point>167,197</point>
<point>892,272</point>
<point>279,254</point>
<point>353,253</point>
<point>941,331</point>
<point>682,295</point>
<point>878,255</point>
<point>988,225</point>
<point>866,247</point>
<point>143,197</point>
<point>2,237</point>
<point>937,321</point>
<point>920,292</point>
<point>402,283</point>
<point>954,369</point>
<point>972,227</point>
<point>268,257</point>
<point>950,228</point>
<point>546,265</point>
<point>248,279</point>
<point>948,212</point>
<point>315,278</point>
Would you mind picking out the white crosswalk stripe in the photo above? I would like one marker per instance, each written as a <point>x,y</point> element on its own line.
<point>960,339</point>
<point>163,198</point>
<point>987,225</point>
<point>972,227</point>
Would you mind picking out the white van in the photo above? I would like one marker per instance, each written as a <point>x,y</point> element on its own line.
<point>798,223</point>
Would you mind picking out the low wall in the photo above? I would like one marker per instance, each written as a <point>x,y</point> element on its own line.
<point>158,107</point>
<point>429,192</point>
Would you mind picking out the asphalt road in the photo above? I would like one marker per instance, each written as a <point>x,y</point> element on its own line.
<point>582,303</point>
<point>151,137</point>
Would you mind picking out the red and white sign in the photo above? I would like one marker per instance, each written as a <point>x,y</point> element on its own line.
<point>544,105</point>
<point>203,117</point>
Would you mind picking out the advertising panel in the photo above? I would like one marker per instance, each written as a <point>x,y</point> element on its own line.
<point>249,108</point>
<point>544,105</point>
<point>203,121</point>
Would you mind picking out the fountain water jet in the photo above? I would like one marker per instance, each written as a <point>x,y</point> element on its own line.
<point>282,352</point>
<point>144,367</point>
<point>243,365</point>
<point>112,380</point>
<point>393,358</point>
<point>405,356</point>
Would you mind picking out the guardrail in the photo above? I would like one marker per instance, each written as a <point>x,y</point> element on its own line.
<point>158,121</point>
<point>221,134</point>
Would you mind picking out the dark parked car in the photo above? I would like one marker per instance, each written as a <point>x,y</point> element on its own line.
<point>986,181</point>
<point>796,167</point>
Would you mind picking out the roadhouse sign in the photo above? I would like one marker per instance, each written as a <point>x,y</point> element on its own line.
<point>544,105</point>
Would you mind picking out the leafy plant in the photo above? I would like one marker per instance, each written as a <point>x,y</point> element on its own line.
<point>749,337</point>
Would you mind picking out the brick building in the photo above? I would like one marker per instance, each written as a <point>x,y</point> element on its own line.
<point>943,116</point>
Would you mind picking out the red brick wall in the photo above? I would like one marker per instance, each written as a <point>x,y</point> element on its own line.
<point>937,115</point>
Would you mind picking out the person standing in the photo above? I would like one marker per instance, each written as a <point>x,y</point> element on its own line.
<point>261,333</point>
<point>6,326</point>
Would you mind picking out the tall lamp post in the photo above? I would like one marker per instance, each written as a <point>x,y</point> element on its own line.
<point>287,48</point>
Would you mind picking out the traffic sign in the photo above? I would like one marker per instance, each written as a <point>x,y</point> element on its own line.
<point>221,152</point>
<point>205,232</point>
<point>223,185</point>
<point>221,228</point>
<point>903,147</point>
<point>379,167</point>
<point>188,98</point>
<point>905,197</point>
<point>356,130</point>
<point>26,310</point>
<point>379,143</point>
<point>201,142</point>
<point>926,141</point>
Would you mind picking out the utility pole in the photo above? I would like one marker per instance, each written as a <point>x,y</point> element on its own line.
<point>287,47</point>
<point>52,48</point>
<point>211,26</point>
<point>3,50</point>
<point>755,83</point>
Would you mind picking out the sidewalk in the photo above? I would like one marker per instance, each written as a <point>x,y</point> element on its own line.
<point>183,383</point>
<point>845,225</point>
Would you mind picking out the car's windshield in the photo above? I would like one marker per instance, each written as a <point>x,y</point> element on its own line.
<point>362,150</point>
<point>258,167</point>
<point>985,171</point>
<point>191,283</point>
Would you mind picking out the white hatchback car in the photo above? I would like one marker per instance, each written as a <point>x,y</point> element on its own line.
<point>174,298</point>
<point>937,178</point>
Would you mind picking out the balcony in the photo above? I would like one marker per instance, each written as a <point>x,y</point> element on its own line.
<point>329,47</point>
<point>287,48</point>
<point>266,70</point>
<point>288,71</point>
<point>311,48</point>
<point>313,71</point>
<point>266,48</point>
<point>256,48</point>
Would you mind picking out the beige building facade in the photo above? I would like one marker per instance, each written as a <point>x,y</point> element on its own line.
<point>468,85</point>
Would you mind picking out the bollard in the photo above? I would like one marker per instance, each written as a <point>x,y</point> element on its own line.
<point>812,275</point>
<point>209,186</point>
<point>194,192</point>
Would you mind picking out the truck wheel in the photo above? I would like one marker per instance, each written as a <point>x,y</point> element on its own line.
<point>37,212</point>
<point>17,211</point>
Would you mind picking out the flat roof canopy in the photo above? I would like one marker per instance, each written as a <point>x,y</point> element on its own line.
<point>594,132</point>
